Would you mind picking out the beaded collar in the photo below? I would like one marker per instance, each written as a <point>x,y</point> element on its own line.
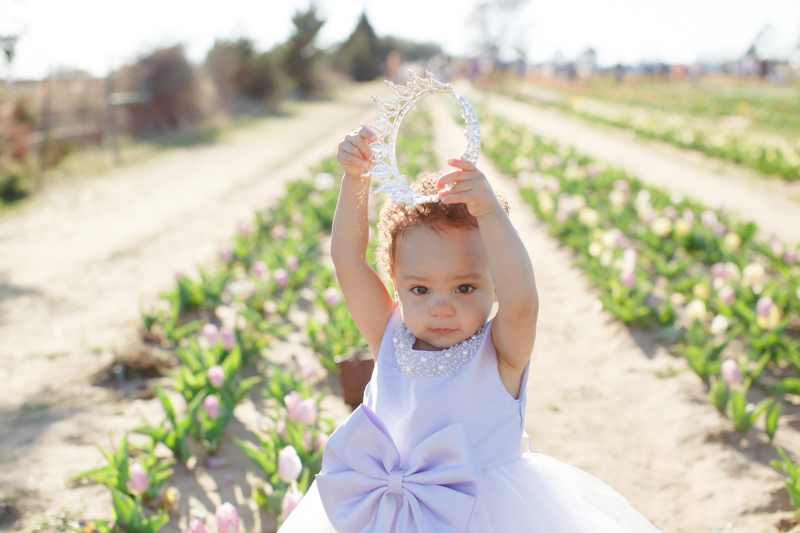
<point>428,364</point>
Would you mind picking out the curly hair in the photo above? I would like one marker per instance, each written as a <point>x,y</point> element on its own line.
<point>396,219</point>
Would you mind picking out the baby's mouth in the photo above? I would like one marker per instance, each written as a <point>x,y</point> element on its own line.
<point>443,331</point>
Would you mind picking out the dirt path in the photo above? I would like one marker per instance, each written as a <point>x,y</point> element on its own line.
<point>773,204</point>
<point>604,398</point>
<point>77,264</point>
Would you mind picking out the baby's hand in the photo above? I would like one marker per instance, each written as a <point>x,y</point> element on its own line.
<point>355,155</point>
<point>469,186</point>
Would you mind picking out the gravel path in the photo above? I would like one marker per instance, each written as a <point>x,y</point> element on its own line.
<point>604,398</point>
<point>773,204</point>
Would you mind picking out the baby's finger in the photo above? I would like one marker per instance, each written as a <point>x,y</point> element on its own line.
<point>452,177</point>
<point>458,187</point>
<point>355,162</point>
<point>368,134</point>
<point>456,198</point>
<point>355,151</point>
<point>361,144</point>
<point>463,164</point>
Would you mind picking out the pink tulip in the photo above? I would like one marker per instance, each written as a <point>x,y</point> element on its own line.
<point>228,339</point>
<point>297,218</point>
<point>211,405</point>
<point>322,440</point>
<point>226,255</point>
<point>307,439</point>
<point>292,263</point>
<point>708,218</point>
<point>178,274</point>
<point>777,248</point>
<point>196,526</point>
<point>331,297</point>
<point>281,278</point>
<point>718,270</point>
<point>138,479</point>
<point>211,334</point>
<point>727,295</point>
<point>280,428</point>
<point>289,465</point>
<point>245,229</point>
<point>670,212</point>
<point>227,518</point>
<point>629,258</point>
<point>627,278</point>
<point>764,306</point>
<point>299,410</point>
<point>621,185</point>
<point>259,269</point>
<point>790,257</point>
<point>307,368</point>
<point>279,232</point>
<point>290,501</point>
<point>731,372</point>
<point>216,376</point>
<point>720,230</point>
<point>562,216</point>
<point>688,215</point>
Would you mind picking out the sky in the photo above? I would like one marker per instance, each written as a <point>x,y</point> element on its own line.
<point>97,35</point>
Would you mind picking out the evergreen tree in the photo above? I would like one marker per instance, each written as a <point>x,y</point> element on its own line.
<point>361,53</point>
<point>301,53</point>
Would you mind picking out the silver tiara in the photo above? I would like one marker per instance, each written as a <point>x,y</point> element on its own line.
<point>392,181</point>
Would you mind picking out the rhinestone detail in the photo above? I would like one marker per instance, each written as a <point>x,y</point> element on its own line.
<point>432,364</point>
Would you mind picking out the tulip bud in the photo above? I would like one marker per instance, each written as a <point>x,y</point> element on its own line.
<point>718,270</point>
<point>281,277</point>
<point>297,217</point>
<point>331,297</point>
<point>629,258</point>
<point>752,275</point>
<point>701,291</point>
<point>138,479</point>
<point>172,495</point>
<point>178,274</point>
<point>228,338</point>
<point>259,269</point>
<point>732,242</point>
<point>227,518</point>
<point>299,410</point>
<point>696,310</point>
<point>244,228</point>
<point>211,405</point>
<point>627,278</point>
<point>682,227</point>
<point>307,368</point>
<point>661,226</point>
<point>731,372</point>
<point>292,263</point>
<point>670,212</point>
<point>226,255</point>
<point>777,248</point>
<point>289,465</point>
<point>216,376</point>
<point>790,257</point>
<point>719,325</point>
<point>767,314</point>
<point>196,526</point>
<point>720,230</point>
<point>727,295</point>
<point>708,218</point>
<point>280,428</point>
<point>279,232</point>
<point>211,334</point>
<point>321,441</point>
<point>290,501</point>
<point>307,439</point>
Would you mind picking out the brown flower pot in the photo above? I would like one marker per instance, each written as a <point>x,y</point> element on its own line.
<point>354,374</point>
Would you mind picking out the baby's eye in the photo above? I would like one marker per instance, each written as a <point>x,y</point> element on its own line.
<point>419,290</point>
<point>465,289</point>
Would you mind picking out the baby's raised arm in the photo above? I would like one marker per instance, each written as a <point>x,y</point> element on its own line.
<point>367,299</point>
<point>514,327</point>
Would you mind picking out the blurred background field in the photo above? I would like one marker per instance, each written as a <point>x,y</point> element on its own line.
<point>166,194</point>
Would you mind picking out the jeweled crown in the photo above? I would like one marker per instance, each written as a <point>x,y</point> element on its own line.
<point>392,180</point>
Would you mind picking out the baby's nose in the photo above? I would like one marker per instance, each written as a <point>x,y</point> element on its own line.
<point>442,308</point>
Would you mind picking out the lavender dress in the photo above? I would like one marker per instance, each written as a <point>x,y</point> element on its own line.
<point>437,447</point>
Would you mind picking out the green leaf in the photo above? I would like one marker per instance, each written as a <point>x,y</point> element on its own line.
<point>772,419</point>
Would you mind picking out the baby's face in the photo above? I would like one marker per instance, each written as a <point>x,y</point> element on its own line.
<point>443,283</point>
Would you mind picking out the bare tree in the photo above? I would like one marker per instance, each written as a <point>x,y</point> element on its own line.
<point>494,20</point>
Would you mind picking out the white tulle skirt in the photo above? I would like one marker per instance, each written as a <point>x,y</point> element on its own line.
<point>534,494</point>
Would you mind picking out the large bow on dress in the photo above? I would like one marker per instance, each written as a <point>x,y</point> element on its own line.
<point>364,489</point>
